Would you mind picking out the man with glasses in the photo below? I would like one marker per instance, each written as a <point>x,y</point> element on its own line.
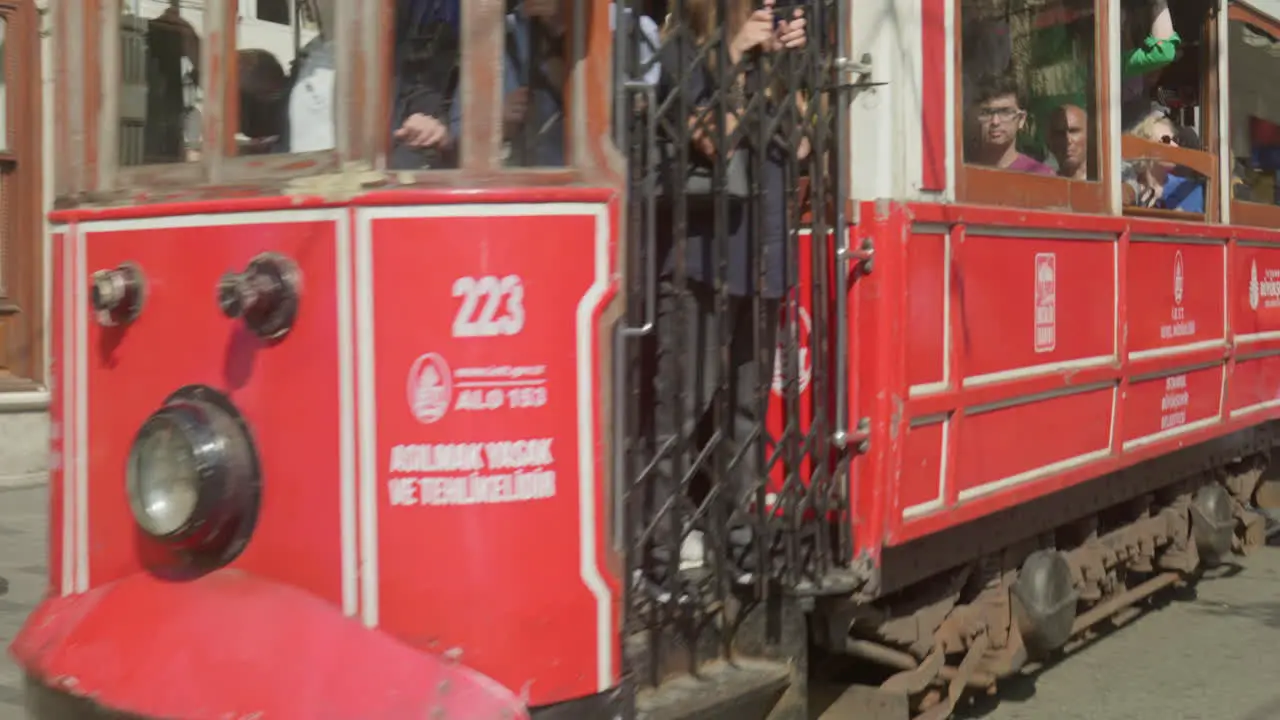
<point>999,118</point>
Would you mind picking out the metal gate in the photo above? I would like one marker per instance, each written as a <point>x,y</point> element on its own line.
<point>734,496</point>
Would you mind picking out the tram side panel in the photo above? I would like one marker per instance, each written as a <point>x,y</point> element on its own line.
<point>218,623</point>
<point>1024,375</point>
<point>482,437</point>
<point>994,318</point>
<point>1177,330</point>
<point>1255,305</point>
<point>286,390</point>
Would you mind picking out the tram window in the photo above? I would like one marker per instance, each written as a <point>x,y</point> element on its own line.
<point>285,78</point>
<point>1164,110</point>
<point>535,71</point>
<point>425,121</point>
<point>1028,86</point>
<point>161,96</point>
<point>1254,49</point>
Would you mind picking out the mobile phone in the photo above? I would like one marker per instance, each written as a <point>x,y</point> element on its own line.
<point>785,12</point>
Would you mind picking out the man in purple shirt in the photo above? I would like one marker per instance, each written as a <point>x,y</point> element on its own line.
<point>1000,117</point>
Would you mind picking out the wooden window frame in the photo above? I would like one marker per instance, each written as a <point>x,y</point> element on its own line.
<point>1246,212</point>
<point>21,300</point>
<point>364,32</point>
<point>988,186</point>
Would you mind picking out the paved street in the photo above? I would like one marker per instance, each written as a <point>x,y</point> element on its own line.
<point>1214,655</point>
<point>23,525</point>
<point>1209,655</point>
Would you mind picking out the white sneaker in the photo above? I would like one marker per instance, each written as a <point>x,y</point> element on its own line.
<point>693,554</point>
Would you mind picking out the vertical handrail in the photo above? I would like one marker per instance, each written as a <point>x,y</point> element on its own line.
<point>649,249</point>
<point>843,96</point>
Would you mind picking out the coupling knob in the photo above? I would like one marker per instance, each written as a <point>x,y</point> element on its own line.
<point>265,296</point>
<point>117,295</point>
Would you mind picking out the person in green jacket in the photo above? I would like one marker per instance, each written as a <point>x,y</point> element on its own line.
<point>1141,64</point>
<point>1158,50</point>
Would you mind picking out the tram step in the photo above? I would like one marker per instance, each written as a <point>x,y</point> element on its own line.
<point>741,690</point>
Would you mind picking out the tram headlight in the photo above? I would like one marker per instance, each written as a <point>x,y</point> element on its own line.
<point>192,475</point>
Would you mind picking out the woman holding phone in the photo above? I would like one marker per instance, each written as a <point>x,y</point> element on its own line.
<point>693,328</point>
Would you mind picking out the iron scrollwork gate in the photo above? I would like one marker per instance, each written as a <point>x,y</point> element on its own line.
<point>734,497</point>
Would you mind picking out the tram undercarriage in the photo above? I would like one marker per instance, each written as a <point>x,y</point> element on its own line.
<point>914,651</point>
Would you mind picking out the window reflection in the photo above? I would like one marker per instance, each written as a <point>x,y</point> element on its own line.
<point>286,77</point>
<point>1028,86</point>
<point>1255,113</point>
<point>160,91</point>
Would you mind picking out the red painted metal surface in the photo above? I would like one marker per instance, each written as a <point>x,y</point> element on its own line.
<point>933,126</point>
<point>485,350</point>
<point>182,338</point>
<point>445,481</point>
<point>235,645</point>
<point>1146,324</point>
<point>494,553</point>
<point>926,308</point>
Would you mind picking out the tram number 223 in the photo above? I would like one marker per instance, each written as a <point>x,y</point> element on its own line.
<point>490,306</point>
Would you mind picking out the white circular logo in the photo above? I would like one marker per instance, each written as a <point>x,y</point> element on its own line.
<point>804,343</point>
<point>1178,279</point>
<point>430,388</point>
<point>1255,290</point>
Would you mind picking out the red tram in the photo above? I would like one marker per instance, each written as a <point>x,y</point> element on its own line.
<point>572,359</point>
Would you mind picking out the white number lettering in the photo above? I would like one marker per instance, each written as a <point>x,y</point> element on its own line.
<point>529,397</point>
<point>490,321</point>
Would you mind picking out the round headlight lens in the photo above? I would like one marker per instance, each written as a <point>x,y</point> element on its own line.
<point>192,476</point>
<point>164,478</point>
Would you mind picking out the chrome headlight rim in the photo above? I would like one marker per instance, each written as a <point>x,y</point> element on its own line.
<point>227,471</point>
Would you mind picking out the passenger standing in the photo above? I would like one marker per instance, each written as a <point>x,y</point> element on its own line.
<point>424,106</point>
<point>1150,48</point>
<point>691,323</point>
